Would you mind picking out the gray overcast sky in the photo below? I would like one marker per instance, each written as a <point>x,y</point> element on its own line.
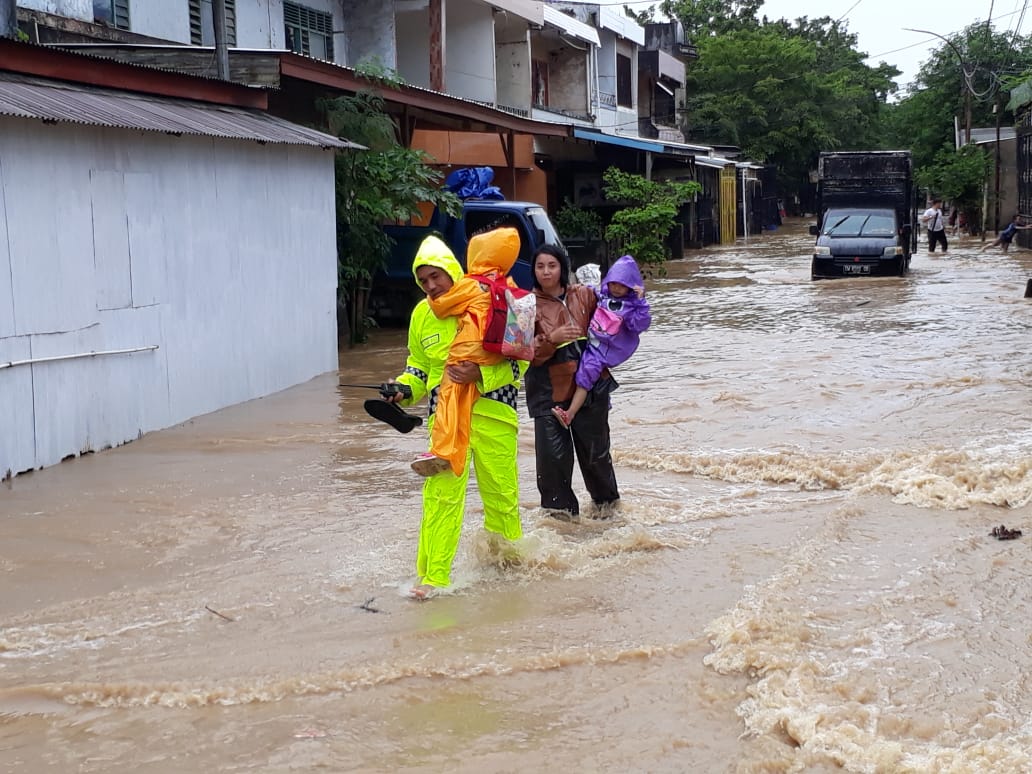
<point>879,24</point>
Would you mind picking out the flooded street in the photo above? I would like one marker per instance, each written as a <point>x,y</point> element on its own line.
<point>801,577</point>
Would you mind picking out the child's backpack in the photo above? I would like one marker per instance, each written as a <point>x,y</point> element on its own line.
<point>604,323</point>
<point>510,325</point>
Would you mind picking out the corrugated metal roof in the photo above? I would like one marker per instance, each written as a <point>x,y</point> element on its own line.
<point>48,100</point>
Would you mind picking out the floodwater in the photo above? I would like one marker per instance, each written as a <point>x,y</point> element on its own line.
<point>801,578</point>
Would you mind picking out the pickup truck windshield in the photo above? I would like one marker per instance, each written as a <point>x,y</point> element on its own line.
<point>546,231</point>
<point>860,224</point>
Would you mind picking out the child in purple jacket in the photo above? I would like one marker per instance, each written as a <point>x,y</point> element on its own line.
<point>615,329</point>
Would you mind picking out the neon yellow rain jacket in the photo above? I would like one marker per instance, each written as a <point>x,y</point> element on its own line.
<point>493,433</point>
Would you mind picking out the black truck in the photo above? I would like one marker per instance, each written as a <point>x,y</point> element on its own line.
<point>867,210</point>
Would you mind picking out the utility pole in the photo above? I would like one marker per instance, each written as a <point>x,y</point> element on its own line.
<point>965,83</point>
<point>997,111</point>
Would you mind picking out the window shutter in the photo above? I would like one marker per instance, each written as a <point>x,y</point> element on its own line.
<point>121,9</point>
<point>202,31</point>
<point>301,23</point>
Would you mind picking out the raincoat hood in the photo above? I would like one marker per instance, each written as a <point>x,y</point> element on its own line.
<point>493,251</point>
<point>434,252</point>
<point>625,271</point>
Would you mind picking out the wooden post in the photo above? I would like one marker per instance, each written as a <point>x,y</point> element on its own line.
<point>218,11</point>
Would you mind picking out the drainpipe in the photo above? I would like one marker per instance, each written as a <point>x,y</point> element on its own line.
<point>8,19</point>
<point>218,12</point>
<point>76,356</point>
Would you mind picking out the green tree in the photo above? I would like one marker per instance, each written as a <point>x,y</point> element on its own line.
<point>642,226</point>
<point>965,82</point>
<point>758,89</point>
<point>967,75</point>
<point>959,177</point>
<point>382,184</point>
<point>785,91</point>
<point>707,18</point>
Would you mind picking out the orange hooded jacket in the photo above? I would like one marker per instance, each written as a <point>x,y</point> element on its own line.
<point>490,254</point>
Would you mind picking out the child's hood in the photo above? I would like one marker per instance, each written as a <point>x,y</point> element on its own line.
<point>493,251</point>
<point>434,252</point>
<point>625,271</point>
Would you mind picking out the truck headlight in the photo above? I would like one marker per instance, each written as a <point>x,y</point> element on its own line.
<point>893,251</point>
<point>822,250</point>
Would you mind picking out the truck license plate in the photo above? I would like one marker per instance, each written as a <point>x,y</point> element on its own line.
<point>856,268</point>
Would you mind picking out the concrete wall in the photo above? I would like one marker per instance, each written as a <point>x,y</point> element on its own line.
<point>413,47</point>
<point>569,80</point>
<point>370,32</point>
<point>512,61</point>
<point>222,253</point>
<point>168,21</point>
<point>260,24</point>
<point>469,70</point>
<point>73,9</point>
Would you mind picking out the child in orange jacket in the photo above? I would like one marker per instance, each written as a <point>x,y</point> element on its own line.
<point>491,254</point>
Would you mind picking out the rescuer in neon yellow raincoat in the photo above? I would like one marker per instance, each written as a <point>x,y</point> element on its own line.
<point>490,254</point>
<point>493,429</point>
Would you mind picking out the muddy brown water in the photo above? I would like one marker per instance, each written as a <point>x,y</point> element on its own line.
<point>801,577</point>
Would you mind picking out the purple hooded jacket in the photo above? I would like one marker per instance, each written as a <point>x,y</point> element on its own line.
<point>617,324</point>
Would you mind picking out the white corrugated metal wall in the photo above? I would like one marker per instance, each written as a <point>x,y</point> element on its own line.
<point>220,252</point>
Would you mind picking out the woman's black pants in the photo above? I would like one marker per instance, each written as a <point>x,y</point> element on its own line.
<point>555,447</point>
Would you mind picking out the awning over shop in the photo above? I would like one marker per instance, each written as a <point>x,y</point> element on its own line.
<point>58,101</point>
<point>571,26</point>
<point>662,66</point>
<point>710,161</point>
<point>638,143</point>
<point>614,19</point>
<point>524,9</point>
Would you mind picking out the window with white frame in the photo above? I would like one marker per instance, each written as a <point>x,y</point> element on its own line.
<point>202,23</point>
<point>114,13</point>
<point>308,31</point>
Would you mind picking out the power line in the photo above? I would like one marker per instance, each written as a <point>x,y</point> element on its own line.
<point>929,40</point>
<point>843,16</point>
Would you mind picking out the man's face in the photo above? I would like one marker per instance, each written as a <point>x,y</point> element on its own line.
<point>434,281</point>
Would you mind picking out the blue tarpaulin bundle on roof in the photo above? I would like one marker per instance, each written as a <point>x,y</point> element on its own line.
<point>473,183</point>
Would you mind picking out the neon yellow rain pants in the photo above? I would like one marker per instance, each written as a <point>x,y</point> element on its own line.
<point>493,453</point>
<point>492,436</point>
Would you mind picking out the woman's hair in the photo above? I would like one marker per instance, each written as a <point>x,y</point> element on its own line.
<point>559,255</point>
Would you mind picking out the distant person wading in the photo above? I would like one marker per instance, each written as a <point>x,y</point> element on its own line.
<point>936,225</point>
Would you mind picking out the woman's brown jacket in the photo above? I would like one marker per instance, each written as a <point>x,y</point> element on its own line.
<point>549,380</point>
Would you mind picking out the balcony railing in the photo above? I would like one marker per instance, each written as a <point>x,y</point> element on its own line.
<point>516,111</point>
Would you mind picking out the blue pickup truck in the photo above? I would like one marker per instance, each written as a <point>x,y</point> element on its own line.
<point>395,293</point>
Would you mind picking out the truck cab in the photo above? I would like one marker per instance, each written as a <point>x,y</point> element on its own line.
<point>395,293</point>
<point>858,241</point>
<point>866,205</point>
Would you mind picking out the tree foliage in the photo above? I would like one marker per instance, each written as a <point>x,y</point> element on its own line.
<point>964,83</point>
<point>383,184</point>
<point>958,177</point>
<point>641,227</point>
<point>784,93</point>
<point>969,74</point>
<point>708,18</point>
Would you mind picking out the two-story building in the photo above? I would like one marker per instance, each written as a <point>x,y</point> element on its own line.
<point>560,89</point>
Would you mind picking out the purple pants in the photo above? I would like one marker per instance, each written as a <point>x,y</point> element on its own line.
<point>590,367</point>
